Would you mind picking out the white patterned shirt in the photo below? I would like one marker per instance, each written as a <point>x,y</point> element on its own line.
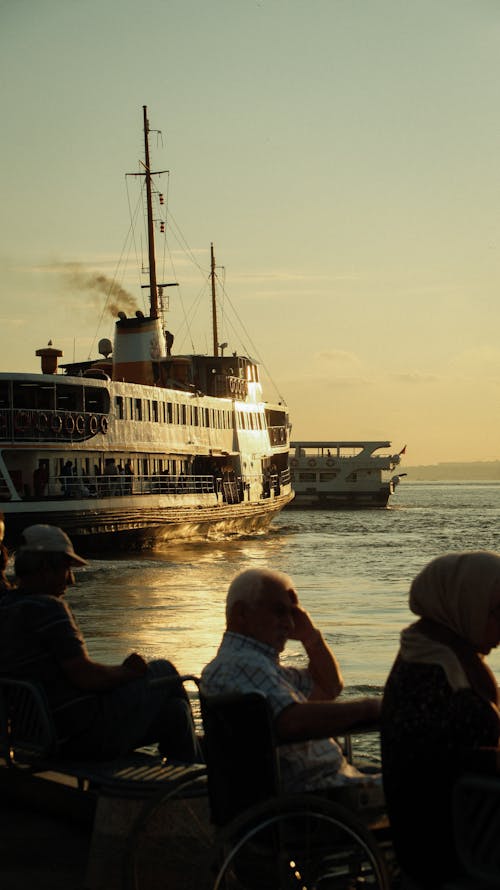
<point>243,664</point>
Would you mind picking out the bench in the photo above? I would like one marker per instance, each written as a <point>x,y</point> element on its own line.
<point>185,827</point>
<point>116,797</point>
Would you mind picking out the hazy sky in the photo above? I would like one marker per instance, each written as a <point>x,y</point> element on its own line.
<point>342,155</point>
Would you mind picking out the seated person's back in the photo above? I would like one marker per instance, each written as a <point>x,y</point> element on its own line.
<point>440,716</point>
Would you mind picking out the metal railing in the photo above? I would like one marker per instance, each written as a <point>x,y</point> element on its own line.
<point>231,491</point>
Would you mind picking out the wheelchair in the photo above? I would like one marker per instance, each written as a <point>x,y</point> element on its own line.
<point>267,839</point>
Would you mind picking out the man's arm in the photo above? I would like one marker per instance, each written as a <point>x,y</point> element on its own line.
<point>318,720</point>
<point>90,676</point>
<point>323,666</point>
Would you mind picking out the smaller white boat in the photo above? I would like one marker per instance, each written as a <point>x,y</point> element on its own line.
<point>342,475</point>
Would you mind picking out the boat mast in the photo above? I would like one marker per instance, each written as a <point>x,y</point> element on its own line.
<point>153,296</point>
<point>214,302</point>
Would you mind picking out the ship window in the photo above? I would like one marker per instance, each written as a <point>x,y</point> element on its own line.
<point>138,409</point>
<point>4,395</point>
<point>307,477</point>
<point>327,477</point>
<point>195,416</point>
<point>119,407</point>
<point>154,406</point>
<point>183,415</point>
<point>168,406</point>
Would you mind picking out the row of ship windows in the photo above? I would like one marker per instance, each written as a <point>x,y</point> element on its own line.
<point>128,408</point>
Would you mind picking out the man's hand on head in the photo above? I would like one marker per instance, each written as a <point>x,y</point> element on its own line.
<point>304,630</point>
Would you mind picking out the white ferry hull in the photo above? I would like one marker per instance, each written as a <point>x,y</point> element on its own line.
<point>120,525</point>
<point>343,500</point>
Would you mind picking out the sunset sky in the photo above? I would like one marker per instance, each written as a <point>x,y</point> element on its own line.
<point>342,155</point>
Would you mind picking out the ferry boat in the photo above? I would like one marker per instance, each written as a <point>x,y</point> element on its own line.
<point>141,447</point>
<point>343,475</point>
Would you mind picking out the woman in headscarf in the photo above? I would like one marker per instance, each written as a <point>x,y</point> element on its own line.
<point>440,715</point>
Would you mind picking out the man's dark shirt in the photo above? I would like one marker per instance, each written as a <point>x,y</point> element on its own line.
<point>37,633</point>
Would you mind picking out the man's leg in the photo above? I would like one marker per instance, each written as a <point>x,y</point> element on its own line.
<point>140,714</point>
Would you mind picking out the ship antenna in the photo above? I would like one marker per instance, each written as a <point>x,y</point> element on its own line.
<point>153,296</point>
<point>214,302</point>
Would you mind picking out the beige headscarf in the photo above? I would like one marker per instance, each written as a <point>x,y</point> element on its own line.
<point>454,594</point>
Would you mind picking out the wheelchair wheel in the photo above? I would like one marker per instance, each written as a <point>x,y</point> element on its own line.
<point>171,843</point>
<point>299,842</point>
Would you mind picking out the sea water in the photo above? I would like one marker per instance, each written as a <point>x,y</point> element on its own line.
<point>352,570</point>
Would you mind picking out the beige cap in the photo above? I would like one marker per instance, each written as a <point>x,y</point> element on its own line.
<point>49,539</point>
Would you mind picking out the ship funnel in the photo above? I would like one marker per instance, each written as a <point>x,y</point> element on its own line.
<point>49,357</point>
<point>139,346</point>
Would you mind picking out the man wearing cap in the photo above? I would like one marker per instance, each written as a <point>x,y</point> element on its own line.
<point>100,711</point>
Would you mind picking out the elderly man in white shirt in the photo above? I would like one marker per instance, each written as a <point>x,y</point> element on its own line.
<point>262,613</point>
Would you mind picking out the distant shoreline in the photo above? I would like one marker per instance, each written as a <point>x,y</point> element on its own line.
<point>478,471</point>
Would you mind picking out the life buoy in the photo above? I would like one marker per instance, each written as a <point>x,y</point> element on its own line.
<point>93,424</point>
<point>69,423</point>
<point>42,423</point>
<point>293,462</point>
<point>80,424</point>
<point>56,424</point>
<point>21,421</point>
<point>311,463</point>
<point>104,424</point>
<point>330,462</point>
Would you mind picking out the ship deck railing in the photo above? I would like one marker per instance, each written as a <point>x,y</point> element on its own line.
<point>234,490</point>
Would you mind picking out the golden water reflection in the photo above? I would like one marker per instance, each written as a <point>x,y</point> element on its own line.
<point>168,605</point>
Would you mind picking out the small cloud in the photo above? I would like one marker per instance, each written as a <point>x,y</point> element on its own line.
<point>414,377</point>
<point>339,357</point>
<point>353,381</point>
<point>481,356</point>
